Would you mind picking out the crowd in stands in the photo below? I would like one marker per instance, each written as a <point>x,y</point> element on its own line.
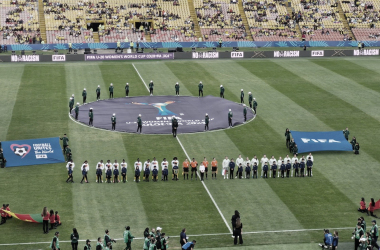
<point>19,22</point>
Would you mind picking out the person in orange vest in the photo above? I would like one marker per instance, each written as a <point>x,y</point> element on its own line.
<point>52,220</point>
<point>57,219</point>
<point>205,163</point>
<point>185,169</point>
<point>214,168</point>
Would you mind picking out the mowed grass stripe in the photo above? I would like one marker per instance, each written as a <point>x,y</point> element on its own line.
<point>119,74</point>
<point>94,145</point>
<point>362,75</point>
<point>340,86</point>
<point>164,80</point>
<point>10,82</point>
<point>38,112</point>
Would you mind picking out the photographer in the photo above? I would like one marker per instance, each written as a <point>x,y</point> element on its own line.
<point>327,240</point>
<point>189,245</point>
<point>152,245</point>
<point>375,234</point>
<point>164,242</point>
<point>146,241</point>
<point>107,240</point>
<point>128,238</point>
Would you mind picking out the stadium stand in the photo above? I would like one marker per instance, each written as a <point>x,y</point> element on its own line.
<point>19,22</point>
<point>220,19</point>
<point>270,21</point>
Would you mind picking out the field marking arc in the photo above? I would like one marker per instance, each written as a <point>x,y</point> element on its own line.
<point>193,235</point>
<point>208,192</point>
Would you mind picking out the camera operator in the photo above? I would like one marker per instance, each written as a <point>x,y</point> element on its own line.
<point>108,239</point>
<point>152,245</point>
<point>164,241</point>
<point>375,234</point>
<point>327,240</point>
<point>189,245</point>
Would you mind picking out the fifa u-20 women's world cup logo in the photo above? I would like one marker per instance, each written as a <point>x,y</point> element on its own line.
<point>162,110</point>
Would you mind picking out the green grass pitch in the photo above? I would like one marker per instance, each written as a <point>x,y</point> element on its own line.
<point>300,94</point>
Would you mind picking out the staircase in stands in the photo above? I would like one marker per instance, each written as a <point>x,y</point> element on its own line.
<point>194,18</point>
<point>96,37</point>
<point>344,20</point>
<point>147,37</point>
<point>245,21</point>
<point>289,9</point>
<point>41,20</point>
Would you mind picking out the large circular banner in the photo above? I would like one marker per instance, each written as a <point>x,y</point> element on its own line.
<point>157,112</point>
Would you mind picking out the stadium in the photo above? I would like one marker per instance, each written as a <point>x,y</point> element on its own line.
<point>312,67</point>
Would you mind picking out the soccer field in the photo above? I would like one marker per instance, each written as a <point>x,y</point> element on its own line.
<point>300,94</point>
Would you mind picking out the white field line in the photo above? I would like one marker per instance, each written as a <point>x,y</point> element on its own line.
<point>140,77</point>
<point>194,235</point>
<point>204,185</point>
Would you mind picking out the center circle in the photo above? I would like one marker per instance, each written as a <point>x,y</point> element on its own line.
<point>157,112</point>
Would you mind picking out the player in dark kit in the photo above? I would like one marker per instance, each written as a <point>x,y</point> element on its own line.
<point>230,115</point>
<point>84,95</point>
<point>113,121</point>
<point>274,169</point>
<point>127,89</point>
<point>65,142</point>
<point>176,89</point>
<point>265,169</point>
<point>231,165</point>
<point>70,173</point>
<point>296,167</point>
<point>76,111</point>
<point>110,89</point>
<point>288,168</point>
<point>248,171</point>
<point>221,91</point>
<point>91,117</point>
<point>302,168</point>
<point>309,165</point>
<point>174,126</point>
<point>282,168</point>
<point>207,120</point>
<point>139,123</point>
<point>200,89</point>
<point>98,93</point>
<point>99,174</point>
<point>151,85</point>
<point>241,96</point>
<point>254,169</point>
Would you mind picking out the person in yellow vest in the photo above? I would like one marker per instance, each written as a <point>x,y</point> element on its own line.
<point>118,46</point>
<point>126,39</point>
<point>131,45</point>
<point>70,47</point>
<point>220,42</point>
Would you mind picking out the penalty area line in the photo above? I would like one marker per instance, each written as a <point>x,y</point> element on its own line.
<point>140,77</point>
<point>193,235</point>
<point>204,185</point>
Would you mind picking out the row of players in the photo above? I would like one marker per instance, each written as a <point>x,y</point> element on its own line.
<point>113,171</point>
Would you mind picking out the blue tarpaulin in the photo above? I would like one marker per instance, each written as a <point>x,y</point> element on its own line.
<point>320,141</point>
<point>32,152</point>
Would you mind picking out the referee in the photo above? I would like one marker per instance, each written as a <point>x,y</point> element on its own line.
<point>194,165</point>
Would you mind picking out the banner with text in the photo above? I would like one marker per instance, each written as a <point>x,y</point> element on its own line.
<point>32,152</point>
<point>320,141</point>
<point>134,56</point>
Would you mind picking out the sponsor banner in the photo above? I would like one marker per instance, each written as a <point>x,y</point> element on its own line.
<point>321,141</point>
<point>157,113</point>
<point>295,53</point>
<point>237,54</point>
<point>134,56</point>
<point>32,152</point>
<point>58,58</point>
<point>366,52</point>
<point>25,58</point>
<point>209,55</point>
<point>317,53</point>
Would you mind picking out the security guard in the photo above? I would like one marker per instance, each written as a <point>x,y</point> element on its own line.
<point>139,123</point>
<point>245,112</point>
<point>151,85</point>
<point>84,95</point>
<point>91,117</point>
<point>207,120</point>
<point>174,126</point>
<point>250,99</point>
<point>113,121</point>
<point>111,90</point>
<point>98,93</point>
<point>131,45</point>
<point>241,96</point>
<point>255,105</point>
<point>118,46</point>
<point>71,104</point>
<point>220,42</point>
<point>230,115</point>
<point>70,47</point>
<point>176,89</point>
<point>76,111</point>
<point>221,91</point>
<point>127,89</point>
<point>200,89</point>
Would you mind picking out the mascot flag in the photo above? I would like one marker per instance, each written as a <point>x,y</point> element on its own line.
<point>35,218</point>
<point>32,152</point>
<point>320,141</point>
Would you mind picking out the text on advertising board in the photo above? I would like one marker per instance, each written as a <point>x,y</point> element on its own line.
<point>237,54</point>
<point>134,56</point>
<point>58,58</point>
<point>210,55</point>
<point>318,53</point>
<point>286,53</point>
<point>25,58</point>
<point>366,52</point>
